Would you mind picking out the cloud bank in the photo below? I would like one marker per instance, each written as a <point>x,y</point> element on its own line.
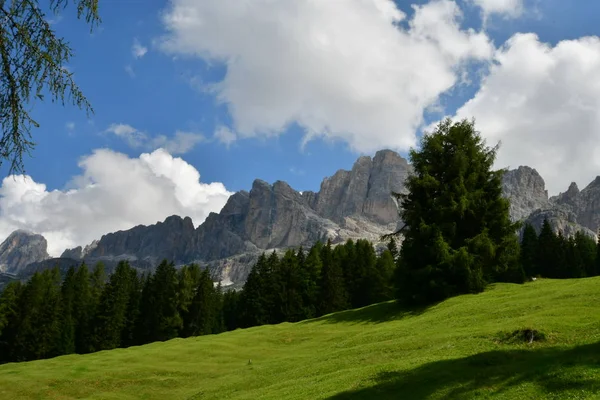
<point>356,70</point>
<point>114,192</point>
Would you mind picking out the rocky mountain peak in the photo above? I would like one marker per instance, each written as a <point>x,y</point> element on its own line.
<point>526,190</point>
<point>20,249</point>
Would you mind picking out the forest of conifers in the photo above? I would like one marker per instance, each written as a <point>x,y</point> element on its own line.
<point>86,311</point>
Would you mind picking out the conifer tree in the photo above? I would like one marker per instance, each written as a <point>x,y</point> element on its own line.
<point>204,316</point>
<point>547,251</point>
<point>587,251</point>
<point>68,320</point>
<point>456,220</point>
<point>231,310</point>
<point>383,279</point>
<point>332,289</point>
<point>83,309</point>
<point>253,298</point>
<point>10,319</point>
<point>164,319</point>
<point>111,313</point>
<point>529,250</point>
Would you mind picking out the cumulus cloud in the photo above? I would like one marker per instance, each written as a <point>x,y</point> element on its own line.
<point>344,70</point>
<point>225,135</point>
<point>114,192</point>
<point>542,102</point>
<point>507,8</point>
<point>180,143</point>
<point>137,50</point>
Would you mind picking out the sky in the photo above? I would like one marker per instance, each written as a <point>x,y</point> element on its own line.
<point>194,99</point>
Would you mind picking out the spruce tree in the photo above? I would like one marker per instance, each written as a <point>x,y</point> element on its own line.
<point>10,319</point>
<point>231,310</point>
<point>83,309</point>
<point>333,295</point>
<point>587,251</point>
<point>529,249</point>
<point>547,251</point>
<point>456,220</point>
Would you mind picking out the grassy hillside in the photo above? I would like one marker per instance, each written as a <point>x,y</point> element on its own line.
<point>460,349</point>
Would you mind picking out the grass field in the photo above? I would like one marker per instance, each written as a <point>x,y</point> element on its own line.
<point>462,348</point>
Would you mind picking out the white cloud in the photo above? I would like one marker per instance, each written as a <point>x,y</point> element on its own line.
<point>113,192</point>
<point>225,135</point>
<point>507,8</point>
<point>180,143</point>
<point>543,103</point>
<point>344,70</point>
<point>70,125</point>
<point>137,50</point>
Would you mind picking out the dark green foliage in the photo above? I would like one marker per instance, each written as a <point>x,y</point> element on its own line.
<point>586,247</point>
<point>231,310</point>
<point>333,295</point>
<point>163,322</point>
<point>10,314</point>
<point>204,317</point>
<point>529,250</point>
<point>38,332</point>
<point>68,321</point>
<point>457,221</point>
<point>111,313</point>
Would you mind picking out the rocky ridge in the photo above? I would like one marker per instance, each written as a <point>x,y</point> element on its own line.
<point>350,204</point>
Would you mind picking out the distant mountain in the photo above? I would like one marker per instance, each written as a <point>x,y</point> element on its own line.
<point>20,249</point>
<point>350,204</point>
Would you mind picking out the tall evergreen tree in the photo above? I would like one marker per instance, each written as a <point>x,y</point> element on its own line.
<point>529,250</point>
<point>456,220</point>
<point>10,319</point>
<point>165,321</point>
<point>333,295</point>
<point>68,320</point>
<point>547,250</point>
<point>84,307</point>
<point>111,314</point>
<point>253,307</point>
<point>587,251</point>
<point>231,310</point>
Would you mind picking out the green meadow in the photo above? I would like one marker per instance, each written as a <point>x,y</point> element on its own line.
<point>540,340</point>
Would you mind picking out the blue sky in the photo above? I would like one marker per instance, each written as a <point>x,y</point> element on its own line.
<point>236,71</point>
<point>160,100</point>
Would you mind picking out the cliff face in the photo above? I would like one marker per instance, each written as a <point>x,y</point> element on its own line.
<point>20,249</point>
<point>526,190</point>
<point>350,204</point>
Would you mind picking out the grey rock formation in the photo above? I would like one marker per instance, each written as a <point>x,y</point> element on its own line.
<point>20,249</point>
<point>350,204</point>
<point>526,190</point>
<point>561,219</point>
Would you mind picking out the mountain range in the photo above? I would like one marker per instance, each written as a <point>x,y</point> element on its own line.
<point>350,204</point>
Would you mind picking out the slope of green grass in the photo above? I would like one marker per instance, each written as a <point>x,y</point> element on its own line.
<point>459,349</point>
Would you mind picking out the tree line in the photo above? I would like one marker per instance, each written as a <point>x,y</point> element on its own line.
<point>86,311</point>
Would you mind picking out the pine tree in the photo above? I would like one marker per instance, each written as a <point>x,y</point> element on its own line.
<point>68,320</point>
<point>38,334</point>
<point>546,251</point>
<point>456,220</point>
<point>10,319</point>
<point>165,321</point>
<point>252,300</point>
<point>529,251</point>
<point>587,251</point>
<point>383,279</point>
<point>132,312</point>
<point>310,283</point>
<point>333,295</point>
<point>83,309</point>
<point>231,310</point>
<point>111,313</point>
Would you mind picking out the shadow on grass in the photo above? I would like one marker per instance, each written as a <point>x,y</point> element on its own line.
<point>376,313</point>
<point>556,372</point>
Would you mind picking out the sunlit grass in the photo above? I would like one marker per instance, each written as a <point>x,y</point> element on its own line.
<point>461,348</point>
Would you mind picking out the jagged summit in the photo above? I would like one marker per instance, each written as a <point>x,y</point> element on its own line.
<point>353,203</point>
